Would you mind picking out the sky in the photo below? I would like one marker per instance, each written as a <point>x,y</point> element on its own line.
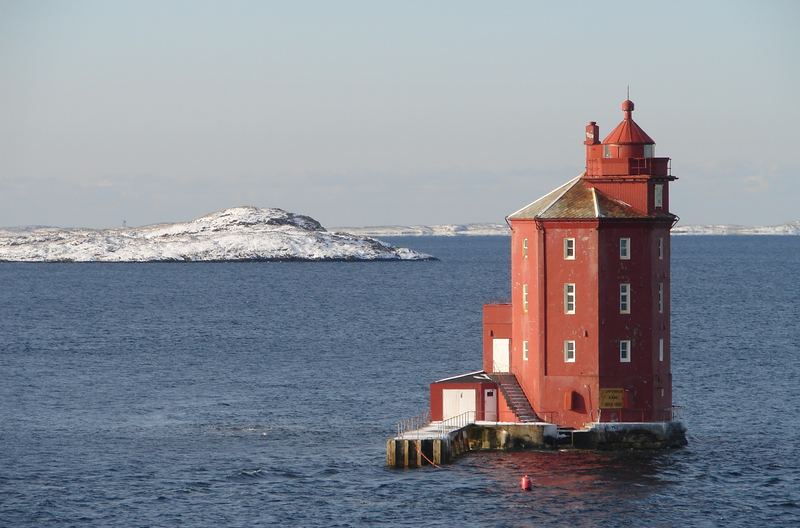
<point>375,112</point>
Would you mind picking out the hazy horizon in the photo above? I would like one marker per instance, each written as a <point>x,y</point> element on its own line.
<point>364,114</point>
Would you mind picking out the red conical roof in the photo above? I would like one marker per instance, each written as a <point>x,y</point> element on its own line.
<point>628,132</point>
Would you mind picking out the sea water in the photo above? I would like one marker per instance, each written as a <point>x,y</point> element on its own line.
<point>241,394</point>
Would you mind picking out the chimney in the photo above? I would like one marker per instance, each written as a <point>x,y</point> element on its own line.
<point>592,134</point>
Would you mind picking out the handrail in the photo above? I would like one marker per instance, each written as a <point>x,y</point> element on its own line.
<point>456,422</point>
<point>412,424</point>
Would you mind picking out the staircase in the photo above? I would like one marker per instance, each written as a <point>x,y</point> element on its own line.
<point>513,394</point>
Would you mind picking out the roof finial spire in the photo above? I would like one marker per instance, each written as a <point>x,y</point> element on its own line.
<point>628,97</point>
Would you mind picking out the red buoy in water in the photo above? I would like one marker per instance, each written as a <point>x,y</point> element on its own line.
<point>525,483</point>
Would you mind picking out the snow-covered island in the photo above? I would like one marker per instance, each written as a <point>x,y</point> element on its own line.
<point>236,234</point>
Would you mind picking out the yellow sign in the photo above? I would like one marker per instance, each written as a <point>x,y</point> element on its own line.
<point>611,398</point>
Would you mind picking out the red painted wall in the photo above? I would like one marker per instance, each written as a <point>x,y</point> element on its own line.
<point>568,393</point>
<point>436,396</point>
<point>496,325</point>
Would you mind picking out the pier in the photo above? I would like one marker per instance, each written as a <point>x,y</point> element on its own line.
<point>441,442</point>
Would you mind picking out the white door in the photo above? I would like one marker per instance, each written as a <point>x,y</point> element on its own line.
<point>457,401</point>
<point>500,352</point>
<point>490,405</point>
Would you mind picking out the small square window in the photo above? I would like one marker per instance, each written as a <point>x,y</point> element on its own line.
<point>606,151</point>
<point>525,248</point>
<point>624,298</point>
<point>649,151</point>
<point>625,248</point>
<point>525,351</point>
<point>569,249</point>
<point>660,297</point>
<point>569,298</point>
<point>569,351</point>
<point>661,349</point>
<point>625,351</point>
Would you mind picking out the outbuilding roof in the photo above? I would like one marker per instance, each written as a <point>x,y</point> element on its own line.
<point>576,199</point>
<point>479,376</point>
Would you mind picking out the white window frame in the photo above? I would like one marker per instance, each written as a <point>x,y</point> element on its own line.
<point>569,351</point>
<point>661,349</point>
<point>525,298</point>
<point>658,195</point>
<point>660,248</point>
<point>569,298</point>
<point>625,248</point>
<point>524,351</point>
<point>661,297</point>
<point>625,298</point>
<point>625,351</point>
<point>569,249</point>
<point>525,247</point>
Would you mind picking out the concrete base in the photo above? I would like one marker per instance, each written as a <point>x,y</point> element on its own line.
<point>417,451</point>
<point>631,435</point>
<point>421,448</point>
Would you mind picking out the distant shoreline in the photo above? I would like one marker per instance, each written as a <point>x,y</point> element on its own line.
<point>450,230</point>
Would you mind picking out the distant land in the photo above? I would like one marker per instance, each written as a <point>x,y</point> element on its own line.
<point>236,234</point>
<point>790,228</point>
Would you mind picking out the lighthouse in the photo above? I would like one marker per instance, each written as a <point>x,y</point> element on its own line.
<point>584,342</point>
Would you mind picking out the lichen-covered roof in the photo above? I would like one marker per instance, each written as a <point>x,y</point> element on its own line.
<point>576,199</point>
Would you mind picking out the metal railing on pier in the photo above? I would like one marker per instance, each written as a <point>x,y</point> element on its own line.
<point>456,422</point>
<point>413,424</point>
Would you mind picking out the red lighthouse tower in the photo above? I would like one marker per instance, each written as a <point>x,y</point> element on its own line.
<point>586,338</point>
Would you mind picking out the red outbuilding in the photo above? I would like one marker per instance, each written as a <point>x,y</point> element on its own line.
<point>586,337</point>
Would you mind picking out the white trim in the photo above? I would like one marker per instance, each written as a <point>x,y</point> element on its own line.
<point>567,257</point>
<point>627,245</point>
<point>567,186</point>
<point>627,287</point>
<point>525,298</point>
<point>524,351</point>
<point>485,376</point>
<point>566,298</point>
<point>627,347</point>
<point>567,359</point>
<point>596,205</point>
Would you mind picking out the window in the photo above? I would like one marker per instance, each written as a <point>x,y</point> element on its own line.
<point>649,151</point>
<point>625,248</point>
<point>525,351</point>
<point>661,349</point>
<point>625,351</point>
<point>659,195</point>
<point>524,297</point>
<point>606,151</point>
<point>661,248</point>
<point>569,298</point>
<point>569,351</point>
<point>624,298</point>
<point>660,297</point>
<point>525,248</point>
<point>569,249</point>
